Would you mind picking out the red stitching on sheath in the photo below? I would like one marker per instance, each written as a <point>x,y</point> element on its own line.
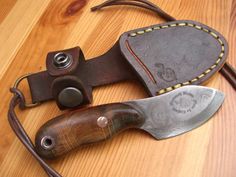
<point>140,62</point>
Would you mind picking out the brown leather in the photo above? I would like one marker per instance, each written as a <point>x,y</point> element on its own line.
<point>230,74</point>
<point>162,57</point>
<point>139,3</point>
<point>108,68</point>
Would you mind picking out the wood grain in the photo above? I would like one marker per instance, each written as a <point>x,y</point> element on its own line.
<point>30,29</point>
<point>87,128</point>
<point>22,17</point>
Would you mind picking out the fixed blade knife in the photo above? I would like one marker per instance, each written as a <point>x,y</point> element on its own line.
<point>164,116</point>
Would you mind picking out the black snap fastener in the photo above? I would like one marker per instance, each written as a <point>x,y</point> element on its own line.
<point>70,97</point>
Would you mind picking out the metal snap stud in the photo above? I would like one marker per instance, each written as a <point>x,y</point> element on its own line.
<point>70,97</point>
<point>62,60</point>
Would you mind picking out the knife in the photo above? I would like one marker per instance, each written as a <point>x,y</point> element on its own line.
<point>164,116</point>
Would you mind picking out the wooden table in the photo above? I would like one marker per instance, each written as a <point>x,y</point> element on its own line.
<point>30,29</point>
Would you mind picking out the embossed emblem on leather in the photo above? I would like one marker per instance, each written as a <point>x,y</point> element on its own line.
<point>166,74</point>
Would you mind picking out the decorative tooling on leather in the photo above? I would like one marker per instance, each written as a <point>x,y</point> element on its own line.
<point>165,73</point>
<point>140,62</point>
<point>168,74</point>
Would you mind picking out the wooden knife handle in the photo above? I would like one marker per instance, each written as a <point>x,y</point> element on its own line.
<point>95,124</point>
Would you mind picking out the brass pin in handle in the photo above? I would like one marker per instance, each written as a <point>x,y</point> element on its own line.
<point>229,73</point>
<point>95,124</point>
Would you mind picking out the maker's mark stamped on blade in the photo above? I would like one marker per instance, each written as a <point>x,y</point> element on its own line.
<point>183,102</point>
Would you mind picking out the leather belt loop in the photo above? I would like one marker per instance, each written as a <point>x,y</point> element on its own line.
<point>66,88</point>
<point>78,76</point>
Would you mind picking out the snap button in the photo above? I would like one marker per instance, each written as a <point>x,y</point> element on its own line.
<point>70,97</point>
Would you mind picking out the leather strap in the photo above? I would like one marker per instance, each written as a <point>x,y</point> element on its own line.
<point>139,3</point>
<point>18,99</point>
<point>230,74</point>
<point>105,69</point>
<point>227,70</point>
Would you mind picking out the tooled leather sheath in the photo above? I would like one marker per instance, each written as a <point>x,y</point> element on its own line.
<point>162,57</point>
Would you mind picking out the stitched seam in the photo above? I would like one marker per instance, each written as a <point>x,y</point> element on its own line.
<point>140,62</point>
<point>202,75</point>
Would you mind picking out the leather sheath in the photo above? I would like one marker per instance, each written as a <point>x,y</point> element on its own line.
<point>161,57</point>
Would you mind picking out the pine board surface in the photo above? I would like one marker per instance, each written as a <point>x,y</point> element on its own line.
<point>30,29</point>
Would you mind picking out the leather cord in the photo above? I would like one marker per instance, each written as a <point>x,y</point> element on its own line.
<point>18,99</point>
<point>139,3</point>
<point>227,70</point>
<point>230,74</point>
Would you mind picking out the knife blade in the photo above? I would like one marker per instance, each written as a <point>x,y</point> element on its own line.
<point>162,116</point>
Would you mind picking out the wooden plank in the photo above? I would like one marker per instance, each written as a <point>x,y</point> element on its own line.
<point>53,25</point>
<point>15,28</point>
<point>220,159</point>
<point>6,7</point>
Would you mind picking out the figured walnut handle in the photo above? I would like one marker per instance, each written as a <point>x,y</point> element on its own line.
<point>95,124</point>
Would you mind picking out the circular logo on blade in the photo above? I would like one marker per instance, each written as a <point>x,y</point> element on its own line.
<point>183,102</point>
